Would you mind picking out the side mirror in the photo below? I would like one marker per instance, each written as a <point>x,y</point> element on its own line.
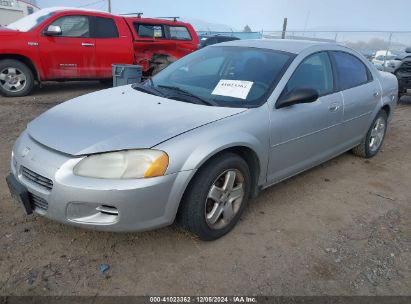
<point>53,30</point>
<point>297,96</point>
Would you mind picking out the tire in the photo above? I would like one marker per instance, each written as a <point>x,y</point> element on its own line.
<point>108,81</point>
<point>376,135</point>
<point>196,210</point>
<point>22,81</point>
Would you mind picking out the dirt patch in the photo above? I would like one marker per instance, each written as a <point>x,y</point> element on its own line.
<point>342,228</point>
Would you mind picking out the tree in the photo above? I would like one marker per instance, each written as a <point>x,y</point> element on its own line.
<point>247,29</point>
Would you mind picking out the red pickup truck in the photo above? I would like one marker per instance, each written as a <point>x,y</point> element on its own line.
<point>60,44</point>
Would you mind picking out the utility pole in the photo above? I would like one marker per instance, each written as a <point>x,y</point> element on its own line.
<point>109,6</point>
<point>284,28</point>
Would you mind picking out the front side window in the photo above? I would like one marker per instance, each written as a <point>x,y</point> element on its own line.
<point>105,28</point>
<point>149,30</point>
<point>315,72</point>
<point>73,26</point>
<point>351,71</point>
<point>225,76</point>
<point>179,33</point>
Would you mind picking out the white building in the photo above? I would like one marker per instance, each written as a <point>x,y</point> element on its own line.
<point>12,10</point>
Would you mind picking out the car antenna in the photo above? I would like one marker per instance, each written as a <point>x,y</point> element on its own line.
<point>174,18</point>
<point>131,14</point>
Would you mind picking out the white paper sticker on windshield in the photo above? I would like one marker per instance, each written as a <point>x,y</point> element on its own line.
<point>233,88</point>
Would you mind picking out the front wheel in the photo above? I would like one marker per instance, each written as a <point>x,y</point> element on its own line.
<point>216,197</point>
<point>16,78</point>
<point>372,142</point>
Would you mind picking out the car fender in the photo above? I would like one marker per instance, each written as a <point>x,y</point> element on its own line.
<point>189,151</point>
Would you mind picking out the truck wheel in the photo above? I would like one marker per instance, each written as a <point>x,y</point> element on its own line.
<point>216,197</point>
<point>16,78</point>
<point>372,142</point>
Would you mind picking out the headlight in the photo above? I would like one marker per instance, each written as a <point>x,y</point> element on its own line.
<point>123,164</point>
<point>393,63</point>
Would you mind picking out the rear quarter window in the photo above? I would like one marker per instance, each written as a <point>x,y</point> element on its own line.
<point>351,71</point>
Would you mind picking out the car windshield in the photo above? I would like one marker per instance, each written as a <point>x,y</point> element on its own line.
<point>29,22</point>
<point>224,76</point>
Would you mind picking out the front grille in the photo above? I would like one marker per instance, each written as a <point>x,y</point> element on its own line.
<point>39,202</point>
<point>406,64</point>
<point>37,178</point>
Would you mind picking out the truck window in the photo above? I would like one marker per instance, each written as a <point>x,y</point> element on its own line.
<point>179,33</point>
<point>149,30</point>
<point>105,28</point>
<point>74,26</point>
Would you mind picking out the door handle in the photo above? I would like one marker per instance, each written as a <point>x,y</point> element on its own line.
<point>334,107</point>
<point>86,44</point>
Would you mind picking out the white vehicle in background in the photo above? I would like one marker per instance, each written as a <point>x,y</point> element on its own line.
<point>383,60</point>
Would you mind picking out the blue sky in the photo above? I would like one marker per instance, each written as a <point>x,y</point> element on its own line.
<point>268,14</point>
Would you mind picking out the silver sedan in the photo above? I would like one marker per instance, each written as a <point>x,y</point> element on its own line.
<point>202,137</point>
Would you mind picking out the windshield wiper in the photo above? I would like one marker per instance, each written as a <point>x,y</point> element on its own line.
<point>187,93</point>
<point>147,89</point>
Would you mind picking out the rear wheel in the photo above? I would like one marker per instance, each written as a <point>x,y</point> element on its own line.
<point>16,78</point>
<point>372,142</point>
<point>216,197</point>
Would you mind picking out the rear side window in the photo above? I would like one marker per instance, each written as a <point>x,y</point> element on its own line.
<point>149,30</point>
<point>315,72</point>
<point>179,33</point>
<point>351,71</point>
<point>105,28</point>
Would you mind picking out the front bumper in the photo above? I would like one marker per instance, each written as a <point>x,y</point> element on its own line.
<point>101,204</point>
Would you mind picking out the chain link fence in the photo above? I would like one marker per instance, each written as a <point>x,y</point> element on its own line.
<point>371,44</point>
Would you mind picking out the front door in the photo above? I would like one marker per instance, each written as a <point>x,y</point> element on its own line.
<point>304,135</point>
<point>71,54</point>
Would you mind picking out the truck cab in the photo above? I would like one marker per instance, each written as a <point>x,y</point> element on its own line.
<point>59,44</point>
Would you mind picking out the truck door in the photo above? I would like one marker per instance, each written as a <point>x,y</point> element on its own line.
<point>114,44</point>
<point>70,54</point>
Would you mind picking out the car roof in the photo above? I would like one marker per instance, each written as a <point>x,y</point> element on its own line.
<point>285,45</point>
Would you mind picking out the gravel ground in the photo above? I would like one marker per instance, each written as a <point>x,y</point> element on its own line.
<point>343,228</point>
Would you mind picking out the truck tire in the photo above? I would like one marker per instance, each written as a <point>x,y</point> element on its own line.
<point>216,197</point>
<point>372,142</point>
<point>16,78</point>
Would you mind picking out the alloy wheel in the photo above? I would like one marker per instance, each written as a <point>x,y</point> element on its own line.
<point>377,134</point>
<point>224,199</point>
<point>12,79</point>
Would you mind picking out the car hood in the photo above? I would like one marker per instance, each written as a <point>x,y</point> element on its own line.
<point>119,119</point>
<point>4,32</point>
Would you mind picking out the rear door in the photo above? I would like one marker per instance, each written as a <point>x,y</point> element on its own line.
<point>113,42</point>
<point>360,91</point>
<point>72,54</point>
